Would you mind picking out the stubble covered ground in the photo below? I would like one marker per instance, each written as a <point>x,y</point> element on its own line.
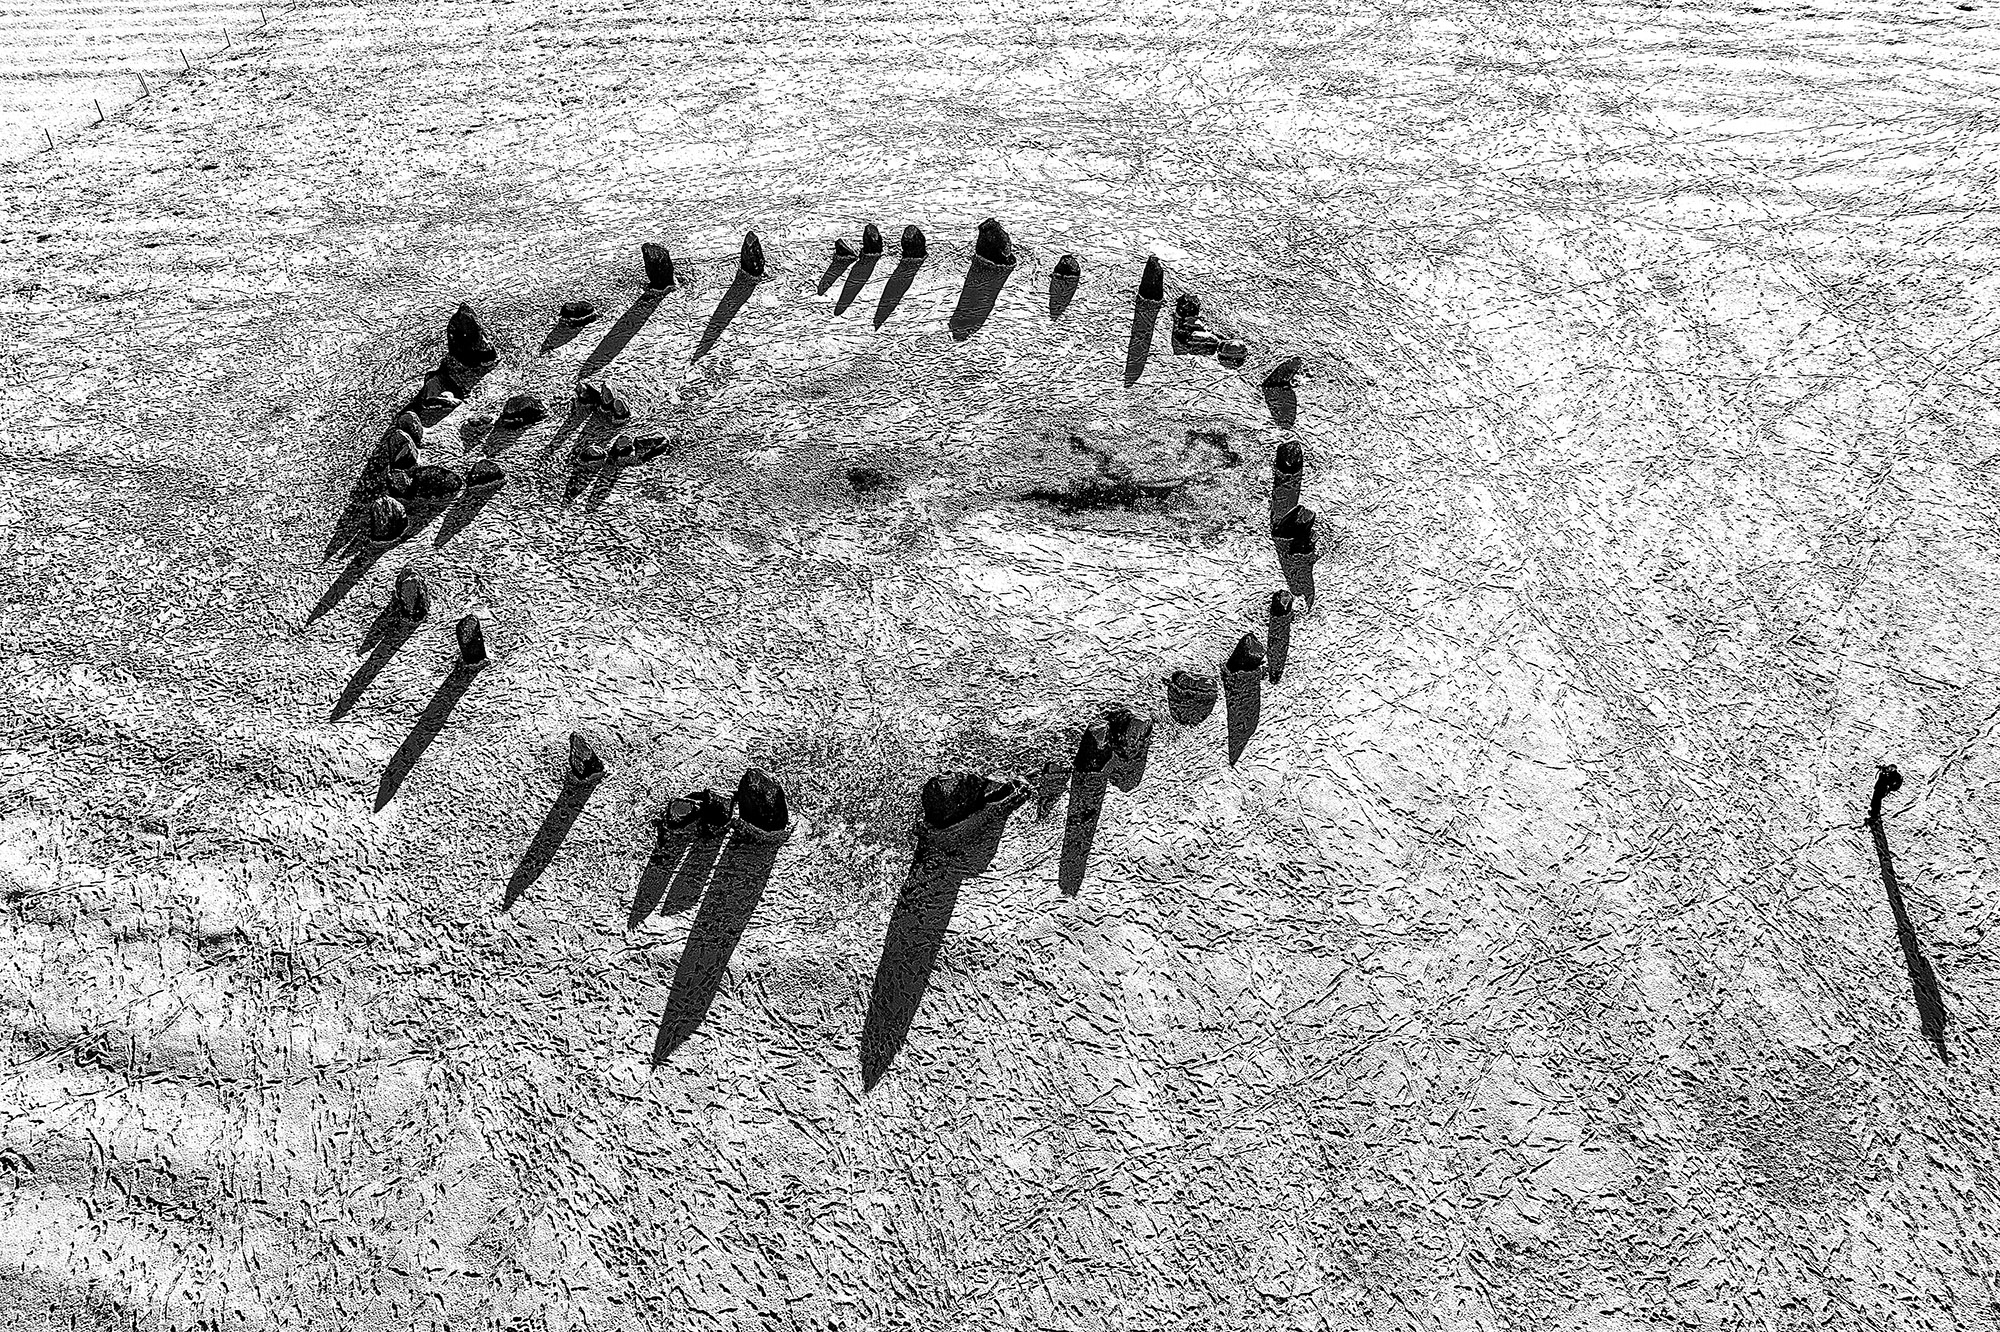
<point>1530,969</point>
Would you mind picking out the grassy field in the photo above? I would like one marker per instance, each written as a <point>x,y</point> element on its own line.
<point>1527,964</point>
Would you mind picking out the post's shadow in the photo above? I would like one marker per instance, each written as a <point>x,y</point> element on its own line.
<point>977,297</point>
<point>662,886</point>
<point>428,724</point>
<point>898,286</point>
<point>1053,784</point>
<point>839,264</point>
<point>1086,807</point>
<point>460,515</point>
<point>1300,580</point>
<point>857,278</point>
<point>388,634</point>
<point>733,299</point>
<point>735,887</point>
<point>548,840</point>
<point>1283,404</point>
<point>1243,706</point>
<point>1277,643</point>
<point>1062,291</point>
<point>1145,319</point>
<point>561,334</point>
<point>357,568</point>
<point>619,334</point>
<point>1931,1015</point>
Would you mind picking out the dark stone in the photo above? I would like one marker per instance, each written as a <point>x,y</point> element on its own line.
<point>843,250</point>
<point>522,410</point>
<point>751,257</point>
<point>953,797</point>
<point>465,341</point>
<point>1201,342</point>
<point>760,801</point>
<point>659,266</point>
<point>1281,604</point>
<point>585,767</point>
<point>472,641</point>
<point>1131,734</point>
<point>586,392</point>
<point>484,475</point>
<point>647,447</point>
<point>476,427</point>
<point>592,450</point>
<point>706,811</point>
<point>1068,268</point>
<point>398,481</point>
<point>994,245</point>
<point>871,239</point>
<point>914,246</point>
<point>402,453</point>
<point>612,404</point>
<point>576,313</point>
<point>1153,281</point>
<point>1189,685</point>
<point>434,482</point>
<point>1291,459</point>
<point>410,424</point>
<point>621,446</point>
<point>1295,531</point>
<point>436,392</point>
<point>1233,352</point>
<point>1286,373</point>
<point>413,599</point>
<point>1093,749</point>
<point>1187,308</point>
<point>1248,656</point>
<point>387,520</point>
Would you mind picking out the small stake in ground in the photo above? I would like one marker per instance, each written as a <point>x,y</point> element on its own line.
<point>144,91</point>
<point>50,137</point>
<point>100,109</point>
<point>184,61</point>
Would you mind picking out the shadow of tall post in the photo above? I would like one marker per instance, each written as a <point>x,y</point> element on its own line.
<point>976,297</point>
<point>619,334</point>
<point>1243,707</point>
<point>742,868</point>
<point>1145,319</point>
<point>428,724</point>
<point>1931,1015</point>
<point>858,274</point>
<point>386,636</point>
<point>548,839</point>
<point>898,286</point>
<point>734,298</point>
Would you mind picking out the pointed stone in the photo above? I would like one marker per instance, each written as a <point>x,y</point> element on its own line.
<point>521,411</point>
<point>760,801</point>
<point>1093,749</point>
<point>871,239</point>
<point>955,796</point>
<point>1248,656</point>
<point>1068,268</point>
<point>1286,374</point>
<point>432,481</point>
<point>576,313</point>
<point>465,340</point>
<point>994,245</point>
<point>484,475</point>
<point>659,266</point>
<point>387,519</point>
<point>612,404</point>
<point>1187,308</point>
<point>585,766</point>
<point>1153,281</point>
<point>843,250</point>
<point>1281,605</point>
<point>1295,531</point>
<point>1291,459</point>
<point>402,453</point>
<point>413,599</point>
<point>914,246</point>
<point>472,640</point>
<point>751,258</point>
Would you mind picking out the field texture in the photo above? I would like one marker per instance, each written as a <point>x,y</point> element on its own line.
<point>1522,956</point>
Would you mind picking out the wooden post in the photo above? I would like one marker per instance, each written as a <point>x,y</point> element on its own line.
<point>225,37</point>
<point>100,109</point>
<point>144,91</point>
<point>50,137</point>
<point>184,62</point>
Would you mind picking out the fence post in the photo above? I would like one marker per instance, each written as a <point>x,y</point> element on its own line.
<point>144,91</point>
<point>184,61</point>
<point>100,109</point>
<point>50,137</point>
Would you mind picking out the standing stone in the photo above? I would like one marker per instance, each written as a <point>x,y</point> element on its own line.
<point>760,801</point>
<point>994,245</point>
<point>1279,633</point>
<point>1153,281</point>
<point>521,411</point>
<point>1286,373</point>
<point>410,424</point>
<point>472,640</point>
<point>1291,459</point>
<point>842,250</point>
<point>871,239</point>
<point>751,258</point>
<point>1068,269</point>
<point>1295,531</point>
<point>465,341</point>
<point>576,313</point>
<point>1248,656</point>
<point>585,767</point>
<point>387,520</point>
<point>1187,308</point>
<point>659,266</point>
<point>413,599</point>
<point>1093,748</point>
<point>1233,352</point>
<point>402,453</point>
<point>914,246</point>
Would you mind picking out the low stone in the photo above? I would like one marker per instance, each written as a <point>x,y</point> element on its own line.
<point>1153,280</point>
<point>706,811</point>
<point>410,424</point>
<point>1286,374</point>
<point>471,633</point>
<point>1233,352</point>
<point>1201,342</point>
<point>413,599</point>
<point>914,246</point>
<point>432,481</point>
<point>647,447</point>
<point>576,313</point>
<point>1187,308</point>
<point>760,801</point>
<point>522,410</point>
<point>1068,268</point>
<point>1188,685</point>
<point>994,245</point>
<point>592,451</point>
<point>484,475</point>
<point>397,483</point>
<point>1291,459</point>
<point>1295,532</point>
<point>586,392</point>
<point>659,266</point>
<point>436,392</point>
<point>477,426</point>
<point>1131,734</point>
<point>611,404</point>
<point>871,239</point>
<point>953,797</point>
<point>750,259</point>
<point>465,339</point>
<point>621,446</point>
<point>387,519</point>
<point>1248,656</point>
<point>1281,604</point>
<point>585,767</point>
<point>402,453</point>
<point>843,250</point>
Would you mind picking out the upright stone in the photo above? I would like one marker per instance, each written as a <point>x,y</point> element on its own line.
<point>1153,281</point>
<point>751,258</point>
<point>914,246</point>
<point>871,239</point>
<point>413,599</point>
<point>843,250</point>
<point>387,520</point>
<point>472,640</point>
<point>585,767</point>
<point>994,245</point>
<point>465,340</point>
<point>659,266</point>
<point>1286,373</point>
<point>1068,268</point>
<point>760,801</point>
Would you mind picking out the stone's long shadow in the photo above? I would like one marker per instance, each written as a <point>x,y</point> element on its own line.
<point>460,515</point>
<point>1062,290</point>
<point>1145,319</point>
<point>1931,1015</point>
<point>675,874</point>
<point>1283,404</point>
<point>1284,494</point>
<point>733,299</point>
<point>344,582</point>
<point>428,724</point>
<point>388,634</point>
<point>1243,707</point>
<point>548,840</point>
<point>898,286</point>
<point>560,334</point>
<point>1086,807</point>
<point>839,264</point>
<point>976,298</point>
<point>857,278</point>
<point>619,334</point>
<point>735,887</point>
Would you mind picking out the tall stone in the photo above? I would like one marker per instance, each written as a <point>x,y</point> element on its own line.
<point>914,246</point>
<point>871,239</point>
<point>1153,281</point>
<point>465,340</point>
<point>994,245</point>
<point>659,266</point>
<point>751,258</point>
